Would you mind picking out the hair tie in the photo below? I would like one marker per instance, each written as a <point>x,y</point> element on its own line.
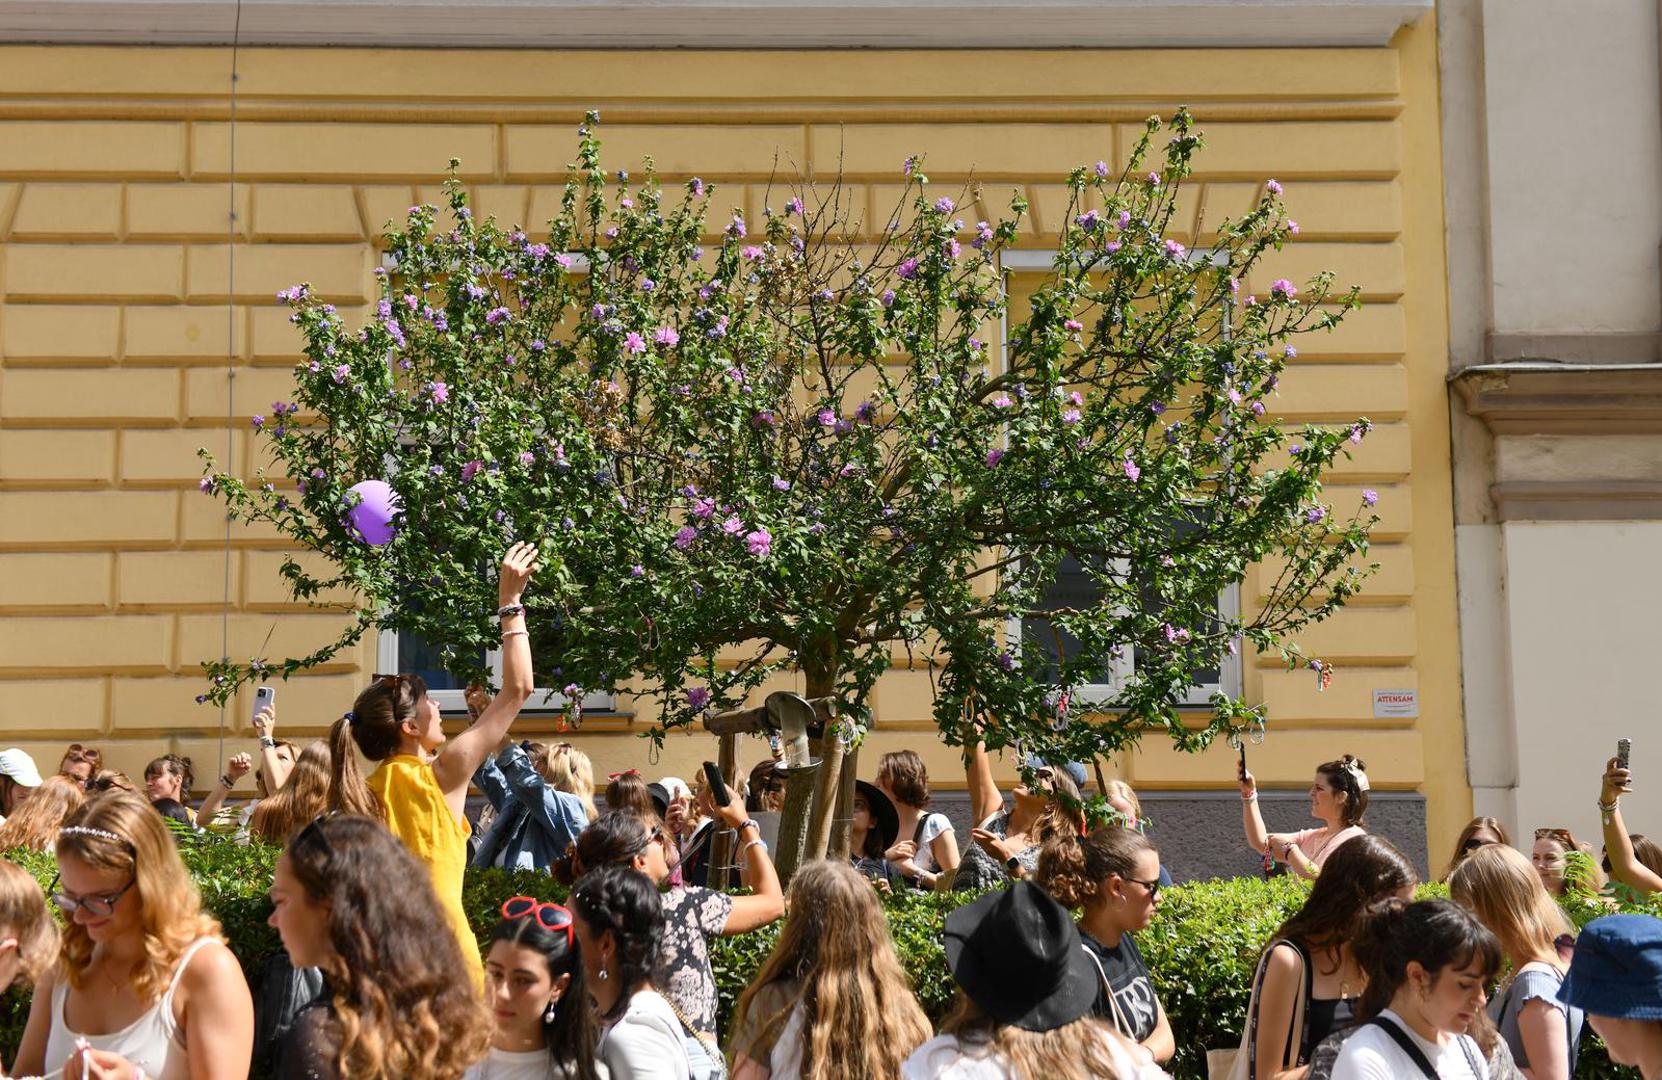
<point>1356,773</point>
<point>349,716</point>
<point>625,772</point>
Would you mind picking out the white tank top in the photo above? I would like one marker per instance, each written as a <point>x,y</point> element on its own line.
<point>152,1042</point>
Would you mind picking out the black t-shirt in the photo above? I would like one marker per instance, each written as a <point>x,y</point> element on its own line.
<point>1126,972</point>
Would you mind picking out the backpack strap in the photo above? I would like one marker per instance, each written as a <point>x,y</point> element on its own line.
<point>1292,1056</point>
<point>1120,1022</point>
<point>1411,1048</point>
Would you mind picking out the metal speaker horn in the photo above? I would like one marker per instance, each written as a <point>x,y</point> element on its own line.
<point>792,714</point>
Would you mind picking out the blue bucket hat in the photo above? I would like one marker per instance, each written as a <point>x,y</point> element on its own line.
<point>1617,969</point>
<point>1074,769</point>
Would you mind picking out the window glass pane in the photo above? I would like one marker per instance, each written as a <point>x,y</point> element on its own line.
<point>1073,588</point>
<point>418,657</point>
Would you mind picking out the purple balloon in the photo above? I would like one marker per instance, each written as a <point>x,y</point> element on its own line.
<point>372,517</point>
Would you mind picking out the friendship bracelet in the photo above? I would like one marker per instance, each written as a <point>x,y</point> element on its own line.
<point>507,611</point>
<point>754,843</point>
<point>225,778</point>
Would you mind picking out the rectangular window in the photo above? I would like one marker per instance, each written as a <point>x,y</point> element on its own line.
<point>409,653</point>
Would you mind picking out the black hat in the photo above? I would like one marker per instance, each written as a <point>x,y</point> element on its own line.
<point>660,797</point>
<point>883,812</point>
<point>1017,955</point>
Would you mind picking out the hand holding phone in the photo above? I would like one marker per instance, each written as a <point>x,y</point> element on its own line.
<point>1624,747</point>
<point>265,700</point>
<point>719,794</point>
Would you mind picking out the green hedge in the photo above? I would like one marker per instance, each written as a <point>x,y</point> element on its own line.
<point>1201,948</point>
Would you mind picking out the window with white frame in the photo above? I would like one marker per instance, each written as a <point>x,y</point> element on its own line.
<point>410,654</point>
<point>1074,587</point>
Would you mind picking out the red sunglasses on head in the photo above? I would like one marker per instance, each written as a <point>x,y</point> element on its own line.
<point>551,917</point>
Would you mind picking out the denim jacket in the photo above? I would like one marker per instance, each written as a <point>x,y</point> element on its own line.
<point>534,822</point>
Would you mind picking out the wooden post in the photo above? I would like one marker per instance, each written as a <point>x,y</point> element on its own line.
<point>721,842</point>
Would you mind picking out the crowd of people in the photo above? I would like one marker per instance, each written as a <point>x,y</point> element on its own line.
<point>382,977</point>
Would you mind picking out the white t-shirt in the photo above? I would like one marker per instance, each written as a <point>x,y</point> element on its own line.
<point>933,825</point>
<point>521,1065</point>
<point>945,1058</point>
<point>645,1042</point>
<point>1371,1054</point>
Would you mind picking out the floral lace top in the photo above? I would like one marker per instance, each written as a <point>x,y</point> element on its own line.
<point>691,917</point>
<point>978,870</point>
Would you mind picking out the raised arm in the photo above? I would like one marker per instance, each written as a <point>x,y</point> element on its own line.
<point>767,900</point>
<point>1257,836</point>
<point>985,799</point>
<point>235,769</point>
<point>272,766</point>
<point>561,813</point>
<point>456,765</point>
<point>489,779</point>
<point>1625,867</point>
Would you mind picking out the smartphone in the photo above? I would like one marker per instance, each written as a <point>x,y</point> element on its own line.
<point>264,698</point>
<point>1242,750</point>
<point>1624,747</point>
<point>718,785</point>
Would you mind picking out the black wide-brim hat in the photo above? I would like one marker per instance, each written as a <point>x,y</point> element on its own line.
<point>1017,954</point>
<point>659,794</point>
<point>882,812</point>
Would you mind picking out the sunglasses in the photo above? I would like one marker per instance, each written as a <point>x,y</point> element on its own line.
<point>314,831</point>
<point>1474,843</point>
<point>551,917</point>
<point>101,906</point>
<point>1153,887</point>
<point>1562,835</point>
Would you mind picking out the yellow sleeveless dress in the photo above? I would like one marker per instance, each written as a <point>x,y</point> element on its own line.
<point>418,815</point>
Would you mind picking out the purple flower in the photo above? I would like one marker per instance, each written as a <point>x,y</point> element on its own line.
<point>736,375</point>
<point>1272,187</point>
<point>1125,219</point>
<point>1314,514</point>
<point>763,419</point>
<point>439,391</point>
<point>908,269</point>
<point>793,205</point>
<point>1282,287</point>
<point>826,418</point>
<point>1355,433</point>
<point>781,484</point>
<point>647,284</point>
<point>1258,408</point>
<point>205,485</point>
<point>696,184</point>
<point>685,536</point>
<point>704,509</point>
<point>1006,661</point>
<point>1292,227</point>
<point>907,167</point>
<point>395,332</point>
<point>1369,496</point>
<point>1234,286</point>
<point>666,336</point>
<point>1153,179</point>
<point>1177,635</point>
<point>1111,246</point>
<point>527,458</point>
<point>983,235</point>
<point>1289,352</point>
<point>994,456</point>
<point>1102,169</point>
<point>866,411</point>
<point>496,315</point>
<point>1073,324</point>
<point>1234,396</point>
<point>751,253</point>
<point>341,372</point>
<point>258,422</point>
<point>950,248</point>
<point>733,526</point>
<point>945,205</point>
<point>318,474</point>
<point>1174,249</point>
<point>1070,416</point>
<point>736,229</point>
<point>1132,472</point>
<point>759,543</point>
<point>471,469</point>
<point>637,570</point>
<point>1157,407</point>
<point>634,343</point>
<point>1002,401</point>
<point>1088,220</point>
<point>697,698</point>
<point>888,298</point>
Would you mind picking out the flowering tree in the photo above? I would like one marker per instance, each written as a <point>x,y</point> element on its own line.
<point>795,449</point>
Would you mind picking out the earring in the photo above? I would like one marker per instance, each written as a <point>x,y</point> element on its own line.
<point>548,1014</point>
<point>603,975</point>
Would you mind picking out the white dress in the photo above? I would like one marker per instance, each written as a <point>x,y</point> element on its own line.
<point>153,1042</point>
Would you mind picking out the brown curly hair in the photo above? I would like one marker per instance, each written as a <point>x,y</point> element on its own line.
<point>1072,868</point>
<point>404,1004</point>
<point>906,777</point>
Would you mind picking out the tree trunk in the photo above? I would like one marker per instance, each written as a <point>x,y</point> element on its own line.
<point>842,823</point>
<point>820,669</point>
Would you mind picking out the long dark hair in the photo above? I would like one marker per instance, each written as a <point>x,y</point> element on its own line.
<point>1360,872</point>
<point>375,725</point>
<point>626,903</point>
<point>572,1034</point>
<point>1438,934</point>
<point>403,1003</point>
<point>614,839</point>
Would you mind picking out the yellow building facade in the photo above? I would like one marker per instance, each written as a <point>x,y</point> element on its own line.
<point>138,323</point>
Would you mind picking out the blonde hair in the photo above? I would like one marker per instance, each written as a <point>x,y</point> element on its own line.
<point>303,796</point>
<point>1503,890</point>
<point>36,823</point>
<point>860,1017</point>
<point>1120,789</point>
<point>1076,1051</point>
<point>568,769</point>
<point>142,846</point>
<point>23,913</point>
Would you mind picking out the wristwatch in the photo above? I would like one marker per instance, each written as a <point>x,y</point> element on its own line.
<point>1013,865</point>
<point>267,742</point>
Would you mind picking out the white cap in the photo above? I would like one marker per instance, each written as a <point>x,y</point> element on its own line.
<point>20,767</point>
<point>676,787</point>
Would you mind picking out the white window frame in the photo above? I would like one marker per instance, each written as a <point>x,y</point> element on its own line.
<point>1231,667</point>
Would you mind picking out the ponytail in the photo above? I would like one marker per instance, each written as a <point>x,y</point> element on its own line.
<point>348,792</point>
<point>1436,934</point>
<point>1072,869</point>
